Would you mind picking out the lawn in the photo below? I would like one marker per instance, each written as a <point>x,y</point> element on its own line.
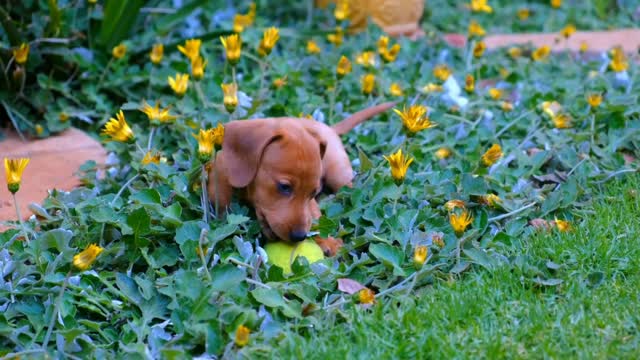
<point>510,231</point>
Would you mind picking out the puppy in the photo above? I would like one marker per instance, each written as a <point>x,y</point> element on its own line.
<point>279,166</point>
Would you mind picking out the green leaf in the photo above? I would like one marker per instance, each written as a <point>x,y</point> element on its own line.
<point>365,163</point>
<point>226,277</point>
<point>389,255</point>
<point>119,18</point>
<point>128,288</point>
<point>140,222</point>
<point>480,257</point>
<point>327,227</point>
<point>189,231</point>
<point>272,298</point>
<point>147,197</point>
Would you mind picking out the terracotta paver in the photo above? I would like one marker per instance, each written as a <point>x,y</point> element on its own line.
<point>54,161</point>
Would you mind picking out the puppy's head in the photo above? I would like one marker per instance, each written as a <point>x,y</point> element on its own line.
<point>279,163</point>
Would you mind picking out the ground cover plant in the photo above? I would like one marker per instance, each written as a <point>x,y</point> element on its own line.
<point>485,149</point>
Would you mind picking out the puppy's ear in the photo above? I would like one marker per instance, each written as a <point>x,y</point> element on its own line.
<point>321,142</point>
<point>242,148</point>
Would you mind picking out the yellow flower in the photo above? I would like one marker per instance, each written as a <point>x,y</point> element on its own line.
<point>495,93</point>
<point>506,106</point>
<point>431,87</point>
<point>562,225</point>
<point>459,222</point>
<point>230,96</point>
<point>39,130</point>
<point>156,53</point>
<point>514,52</point>
<point>241,21</point>
<point>157,115</point>
<point>491,200</point>
<point>269,39</point>
<point>63,117</point>
<point>337,37</point>
<point>391,54</point>
<point>151,157</point>
<point>13,169</point>
<point>342,10</point>
<point>399,164</point>
<point>395,90</point>
<point>85,258</point>
<point>344,67</point>
<point>480,6</point>
<point>92,2</point>
<point>180,84</point>
<point>441,72</point>
<point>492,155</point>
<point>551,108</point>
<point>415,118</point>
<point>208,140</point>
<point>21,54</point>
<point>523,14</point>
<point>191,48</point>
<point>366,296</point>
<point>454,204</point>
<point>475,29</point>
<point>594,100</point>
<point>312,47</point>
<point>383,44</point>
<point>443,153</point>
<point>368,83</point>
<point>479,49</point>
<point>437,240</point>
<point>556,3</point>
<point>561,121</point>
<point>541,53</point>
<point>233,47</point>
<point>119,51</point>
<point>469,83</point>
<point>242,335</point>
<point>118,129</point>
<point>568,30</point>
<point>584,47</point>
<point>366,59</point>
<point>420,255</point>
<point>279,82</point>
<point>197,67</point>
<point>619,60</point>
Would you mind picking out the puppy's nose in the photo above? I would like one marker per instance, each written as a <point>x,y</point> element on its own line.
<point>297,236</point>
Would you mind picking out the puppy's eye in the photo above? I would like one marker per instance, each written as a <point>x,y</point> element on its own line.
<point>284,188</point>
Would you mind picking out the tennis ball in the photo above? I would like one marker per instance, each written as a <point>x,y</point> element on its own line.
<point>283,254</point>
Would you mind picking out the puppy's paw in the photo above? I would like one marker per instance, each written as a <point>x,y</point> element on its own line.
<point>330,245</point>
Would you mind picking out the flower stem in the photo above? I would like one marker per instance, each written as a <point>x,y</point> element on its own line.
<point>203,235</point>
<point>593,130</point>
<point>24,230</point>
<point>233,75</point>
<point>126,185</point>
<point>104,72</point>
<point>150,142</point>
<point>204,197</point>
<point>201,96</point>
<point>56,309</point>
<point>332,101</point>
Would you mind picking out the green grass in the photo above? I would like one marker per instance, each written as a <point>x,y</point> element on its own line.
<point>593,313</point>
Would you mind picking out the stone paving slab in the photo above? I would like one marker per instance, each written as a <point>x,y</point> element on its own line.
<point>54,161</point>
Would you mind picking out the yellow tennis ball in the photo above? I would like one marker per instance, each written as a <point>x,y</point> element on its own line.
<point>283,254</point>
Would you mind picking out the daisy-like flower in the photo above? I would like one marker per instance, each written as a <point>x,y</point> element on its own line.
<point>491,199</point>
<point>156,115</point>
<point>562,225</point>
<point>119,51</point>
<point>495,93</point>
<point>478,49</point>
<point>460,222</point>
<point>415,118</point>
<point>21,54</point>
<point>475,29</point>
<point>442,153</point>
<point>269,39</point>
<point>396,90</point>
<point>279,82</point>
<point>179,84</point>
<point>13,169</point>
<point>208,140</point>
<point>514,52</point>
<point>420,254</point>
<point>313,48</point>
<point>441,72</point>
<point>230,96</point>
<point>337,37</point>
<point>454,204</point>
<point>619,60</point>
<point>469,83</point>
<point>197,67</point>
<point>233,47</point>
<point>523,14</point>
<point>341,11</point>
<point>399,164</point>
<point>366,59</point>
<point>157,51</point>
<point>366,296</point>
<point>561,121</point>
<point>541,53</point>
<point>492,155</point>
<point>191,48</point>
<point>151,157</point>
<point>584,47</point>
<point>241,21</point>
<point>551,108</point>
<point>431,87</point>
<point>568,30</point>
<point>368,83</point>
<point>480,6</point>
<point>391,54</point>
<point>506,106</point>
<point>383,44</point>
<point>594,100</point>
<point>63,117</point>
<point>242,335</point>
<point>87,257</point>
<point>118,129</point>
<point>556,4</point>
<point>344,67</point>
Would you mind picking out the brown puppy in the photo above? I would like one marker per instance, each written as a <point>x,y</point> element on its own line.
<point>280,165</point>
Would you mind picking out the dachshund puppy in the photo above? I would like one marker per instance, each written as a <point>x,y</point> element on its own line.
<point>279,166</point>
